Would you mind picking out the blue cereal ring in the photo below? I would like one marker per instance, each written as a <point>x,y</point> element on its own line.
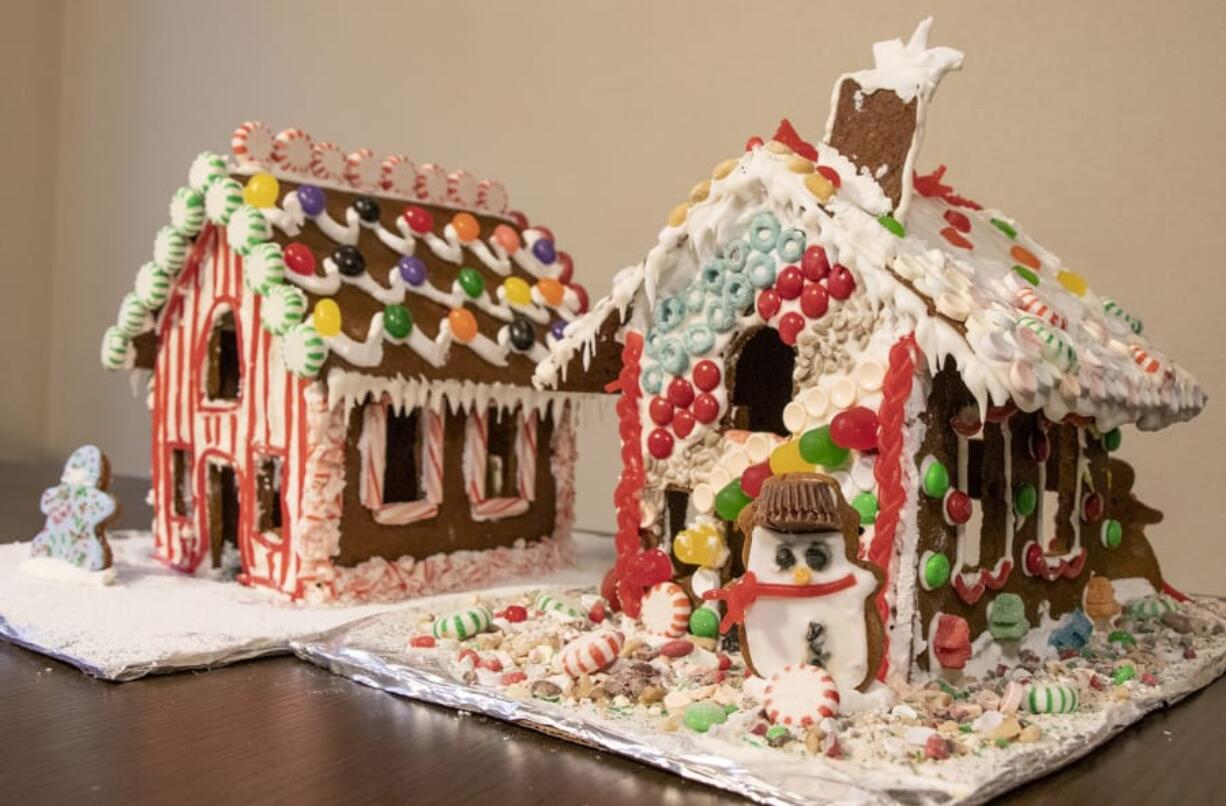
<point>760,270</point>
<point>735,254</point>
<point>721,316</point>
<point>651,344</point>
<point>738,292</point>
<point>695,296</point>
<point>669,313</point>
<point>791,245</point>
<point>712,277</point>
<point>699,339</point>
<point>673,356</point>
<point>764,231</point>
<point>652,379</point>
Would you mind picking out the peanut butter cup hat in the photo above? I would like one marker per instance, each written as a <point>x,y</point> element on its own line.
<point>799,502</point>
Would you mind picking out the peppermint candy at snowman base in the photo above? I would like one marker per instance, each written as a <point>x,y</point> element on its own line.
<point>801,696</point>
<point>591,652</point>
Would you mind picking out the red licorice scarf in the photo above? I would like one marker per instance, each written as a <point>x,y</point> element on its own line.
<point>739,594</point>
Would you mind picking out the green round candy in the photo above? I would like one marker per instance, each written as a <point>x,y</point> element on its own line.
<point>817,448</point>
<point>1112,440</point>
<point>1124,674</point>
<point>1027,275</point>
<point>936,480</point>
<point>1113,533</point>
<point>776,732</point>
<point>892,224</point>
<point>397,321</point>
<point>701,716</point>
<point>936,571</point>
<point>1121,637</point>
<point>470,280</point>
<point>1025,499</point>
<point>731,500</point>
<point>866,504</point>
<point>704,622</point>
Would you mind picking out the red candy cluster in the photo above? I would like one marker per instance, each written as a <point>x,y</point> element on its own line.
<point>680,407</point>
<point>814,282</point>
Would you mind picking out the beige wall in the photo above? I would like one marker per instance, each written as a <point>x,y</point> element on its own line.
<point>1098,125</point>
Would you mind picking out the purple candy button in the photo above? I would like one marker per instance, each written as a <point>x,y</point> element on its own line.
<point>558,328</point>
<point>312,200</point>
<point>544,251</point>
<point>412,270</point>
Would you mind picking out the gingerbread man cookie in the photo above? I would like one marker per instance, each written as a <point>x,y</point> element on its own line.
<point>78,511</point>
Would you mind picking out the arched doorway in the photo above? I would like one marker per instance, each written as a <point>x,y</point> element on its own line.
<point>762,382</point>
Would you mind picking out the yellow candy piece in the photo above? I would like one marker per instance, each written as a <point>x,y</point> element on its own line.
<point>677,217</point>
<point>327,317</point>
<point>799,165</point>
<point>776,147</point>
<point>723,169</point>
<point>700,191</point>
<point>787,459</point>
<point>518,291</point>
<point>262,190</point>
<point>1073,282</point>
<point>703,545</point>
<point>819,186</point>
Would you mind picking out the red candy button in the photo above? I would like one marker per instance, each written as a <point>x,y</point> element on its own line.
<point>768,303</point>
<point>706,375</point>
<point>958,220</point>
<point>683,423</point>
<point>515,613</point>
<point>419,219</point>
<point>706,408</point>
<point>299,258</point>
<point>790,283</point>
<point>814,301</point>
<point>840,284</point>
<point>815,264</point>
<point>661,411</point>
<point>680,392</point>
<point>790,326</point>
<point>957,507</point>
<point>660,443</point>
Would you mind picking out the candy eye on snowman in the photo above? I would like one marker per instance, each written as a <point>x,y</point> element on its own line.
<point>784,558</point>
<point>817,556</point>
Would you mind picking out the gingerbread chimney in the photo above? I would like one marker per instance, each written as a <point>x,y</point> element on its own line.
<point>877,116</point>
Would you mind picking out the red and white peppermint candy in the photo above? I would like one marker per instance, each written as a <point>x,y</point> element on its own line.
<point>363,170</point>
<point>592,652</point>
<point>328,162</point>
<point>1144,360</point>
<point>666,610</point>
<point>252,141</point>
<point>492,196</point>
<point>398,174</point>
<point>801,695</point>
<point>293,151</point>
<point>431,183</point>
<point>1029,302</point>
<point>462,189</point>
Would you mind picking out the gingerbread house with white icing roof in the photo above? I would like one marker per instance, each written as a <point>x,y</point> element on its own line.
<point>826,307</point>
<point>341,348</point>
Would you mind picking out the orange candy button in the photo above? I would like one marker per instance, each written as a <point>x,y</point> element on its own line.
<point>1025,257</point>
<point>463,325</point>
<point>551,291</point>
<point>466,227</point>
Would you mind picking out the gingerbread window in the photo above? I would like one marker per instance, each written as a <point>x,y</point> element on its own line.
<point>181,478</point>
<point>762,382</point>
<point>500,462</point>
<point>223,380</point>
<point>402,463</point>
<point>268,494</point>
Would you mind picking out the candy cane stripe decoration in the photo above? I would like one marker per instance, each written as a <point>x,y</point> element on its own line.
<point>293,151</point>
<point>1029,302</point>
<point>431,183</point>
<point>328,162</point>
<point>252,142</point>
<point>1144,360</point>
<point>372,445</point>
<point>398,175</point>
<point>462,189</point>
<point>476,453</point>
<point>363,170</point>
<point>492,196</point>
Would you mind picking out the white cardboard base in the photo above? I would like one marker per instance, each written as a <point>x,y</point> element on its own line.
<point>155,620</point>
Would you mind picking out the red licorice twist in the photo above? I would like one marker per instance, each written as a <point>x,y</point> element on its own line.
<point>627,496</point>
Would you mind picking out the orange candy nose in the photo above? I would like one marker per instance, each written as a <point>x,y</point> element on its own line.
<point>466,227</point>
<point>551,291</point>
<point>463,325</point>
<point>802,575</point>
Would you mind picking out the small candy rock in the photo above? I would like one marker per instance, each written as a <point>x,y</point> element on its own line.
<point>651,694</point>
<point>1030,734</point>
<point>1189,654</point>
<point>1177,622</point>
<point>949,728</point>
<point>988,722</point>
<point>937,747</point>
<point>904,711</point>
<point>700,717</point>
<point>1149,679</point>
<point>546,690</point>
<point>813,741</point>
<point>1008,729</point>
<point>676,700</point>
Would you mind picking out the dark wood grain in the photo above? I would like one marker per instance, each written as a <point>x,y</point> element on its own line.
<point>280,731</point>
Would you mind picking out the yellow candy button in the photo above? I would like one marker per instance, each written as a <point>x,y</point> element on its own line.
<point>1073,282</point>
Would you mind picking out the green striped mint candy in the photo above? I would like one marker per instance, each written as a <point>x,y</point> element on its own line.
<point>1150,607</point>
<point>152,286</point>
<point>463,624</point>
<point>303,350</point>
<point>264,268</point>
<point>1056,349</point>
<point>548,602</point>
<point>281,308</point>
<point>134,317</point>
<point>1113,308</point>
<point>221,199</point>
<point>248,228</point>
<point>169,250</point>
<point>187,211</point>
<point>206,168</point>
<point>117,350</point>
<point>1051,699</point>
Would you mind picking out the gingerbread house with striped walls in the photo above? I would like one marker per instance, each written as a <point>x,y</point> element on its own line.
<point>826,308</point>
<point>341,347</point>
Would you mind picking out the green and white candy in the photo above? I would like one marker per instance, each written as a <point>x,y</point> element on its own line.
<point>1150,607</point>
<point>264,267</point>
<point>1113,308</point>
<point>549,602</point>
<point>463,624</point>
<point>169,250</point>
<point>247,229</point>
<point>117,350</point>
<point>282,308</point>
<point>1056,349</point>
<point>187,211</point>
<point>152,286</point>
<point>221,199</point>
<point>206,168</point>
<point>1050,699</point>
<point>134,317</point>
<point>303,350</point>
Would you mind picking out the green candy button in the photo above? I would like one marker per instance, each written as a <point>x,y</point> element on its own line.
<point>936,480</point>
<point>1025,499</point>
<point>1113,533</point>
<point>936,571</point>
<point>397,321</point>
<point>816,447</point>
<point>470,280</point>
<point>892,224</point>
<point>866,504</point>
<point>704,622</point>
<point>1112,440</point>
<point>1027,275</point>
<point>1005,227</point>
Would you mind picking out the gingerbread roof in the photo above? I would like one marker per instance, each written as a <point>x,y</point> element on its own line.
<point>363,265</point>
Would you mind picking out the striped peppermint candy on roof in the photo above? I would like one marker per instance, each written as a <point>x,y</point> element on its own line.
<point>801,695</point>
<point>591,653</point>
<point>294,151</point>
<point>492,196</point>
<point>1029,302</point>
<point>431,183</point>
<point>462,188</point>
<point>398,174</point>
<point>252,142</point>
<point>363,170</point>
<point>328,162</point>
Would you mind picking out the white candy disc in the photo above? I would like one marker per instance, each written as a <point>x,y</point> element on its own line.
<point>431,183</point>
<point>328,162</point>
<point>303,350</point>
<point>592,652</point>
<point>801,695</point>
<point>462,189</point>
<point>206,168</point>
<point>252,142</point>
<point>362,170</point>
<point>492,196</point>
<point>293,151</point>
<point>221,199</point>
<point>282,308</point>
<point>117,349</point>
<point>666,610</point>
<point>398,174</point>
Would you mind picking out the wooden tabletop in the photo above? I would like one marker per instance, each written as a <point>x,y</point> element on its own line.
<point>279,730</point>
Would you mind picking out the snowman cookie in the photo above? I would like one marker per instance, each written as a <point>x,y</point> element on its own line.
<point>805,598</point>
<point>72,543</point>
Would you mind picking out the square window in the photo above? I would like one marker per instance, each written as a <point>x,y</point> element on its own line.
<point>268,494</point>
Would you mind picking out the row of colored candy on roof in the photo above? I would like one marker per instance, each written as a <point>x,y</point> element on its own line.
<point>294,154</point>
